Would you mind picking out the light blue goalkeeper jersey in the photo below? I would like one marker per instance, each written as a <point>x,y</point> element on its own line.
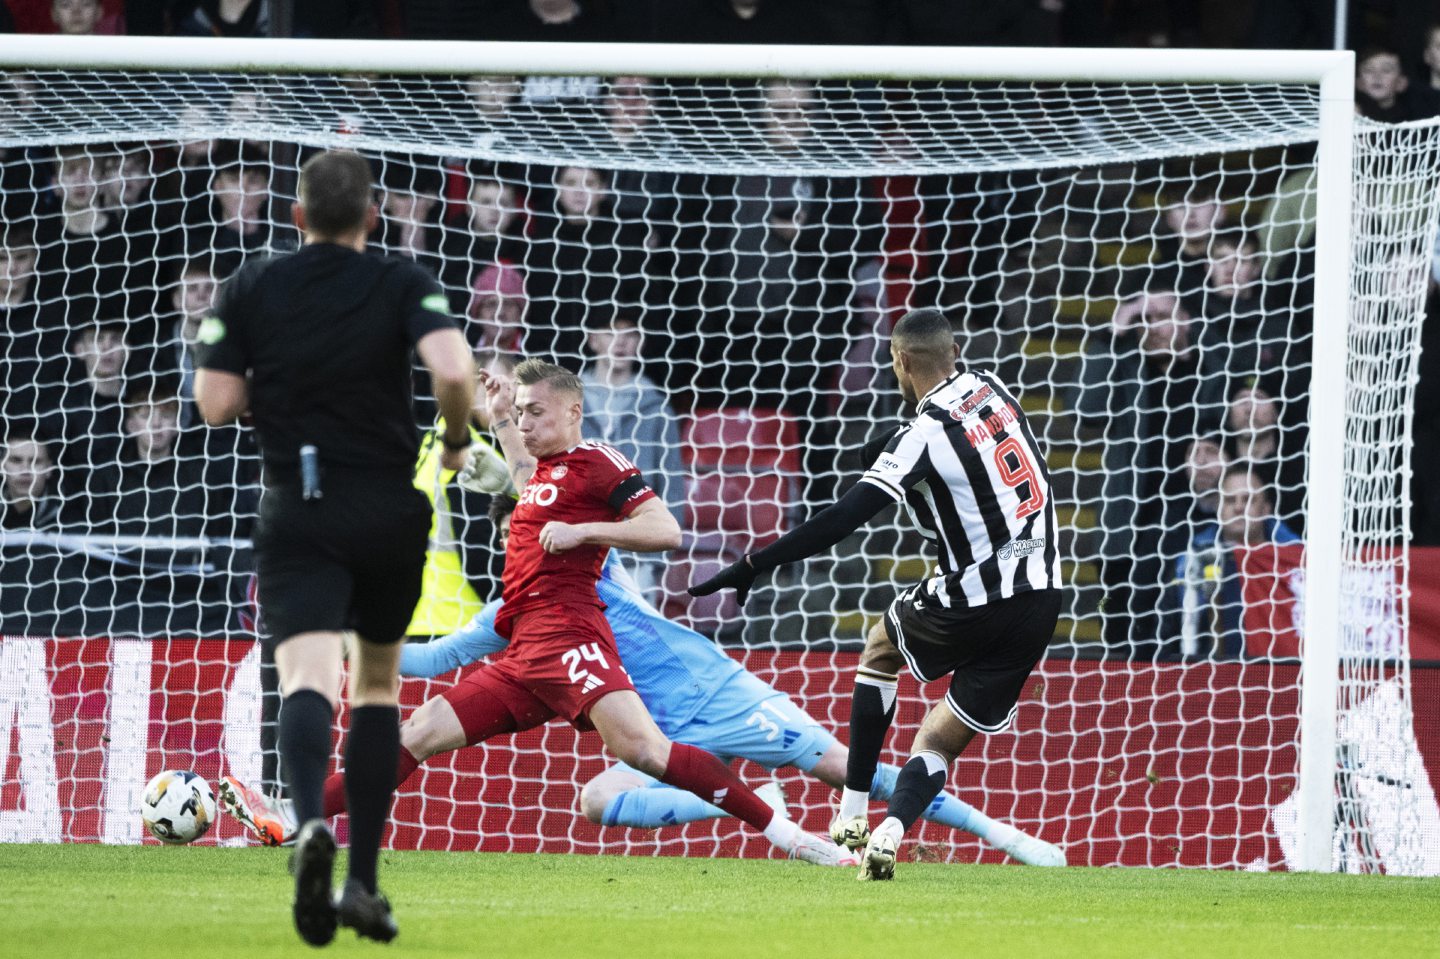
<point>675,670</point>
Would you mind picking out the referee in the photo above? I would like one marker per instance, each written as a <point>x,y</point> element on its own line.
<point>316,345</point>
<point>974,479</point>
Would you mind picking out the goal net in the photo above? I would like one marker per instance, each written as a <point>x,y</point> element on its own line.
<point>723,259</point>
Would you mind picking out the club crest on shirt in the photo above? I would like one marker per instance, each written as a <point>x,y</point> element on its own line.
<point>559,471</point>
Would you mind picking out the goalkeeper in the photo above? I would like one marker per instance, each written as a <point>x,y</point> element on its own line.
<point>697,694</point>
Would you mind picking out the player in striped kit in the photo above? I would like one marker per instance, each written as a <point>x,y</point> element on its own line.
<point>974,479</point>
<point>697,694</point>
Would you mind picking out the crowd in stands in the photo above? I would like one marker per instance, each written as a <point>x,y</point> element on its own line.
<point>673,294</point>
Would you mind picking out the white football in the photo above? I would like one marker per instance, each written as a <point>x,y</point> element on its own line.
<point>178,806</point>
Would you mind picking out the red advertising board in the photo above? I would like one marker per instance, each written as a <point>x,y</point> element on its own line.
<point>1121,763</point>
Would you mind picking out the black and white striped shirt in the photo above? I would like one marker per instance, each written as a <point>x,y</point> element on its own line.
<point>972,475</point>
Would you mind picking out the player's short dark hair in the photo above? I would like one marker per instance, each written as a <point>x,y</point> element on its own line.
<point>336,190</point>
<point>501,506</point>
<point>531,372</point>
<point>926,333</point>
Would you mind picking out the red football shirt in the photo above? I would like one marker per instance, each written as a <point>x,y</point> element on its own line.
<point>588,484</point>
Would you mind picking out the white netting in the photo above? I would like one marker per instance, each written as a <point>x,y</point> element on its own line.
<point>1136,259</point>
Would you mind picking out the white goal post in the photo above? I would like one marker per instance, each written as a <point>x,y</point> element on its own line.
<point>1180,109</point>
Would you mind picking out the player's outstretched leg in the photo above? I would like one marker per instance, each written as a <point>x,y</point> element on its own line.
<point>872,709</point>
<point>631,734</point>
<point>950,810</point>
<point>270,820</point>
<point>942,737</point>
<point>620,796</point>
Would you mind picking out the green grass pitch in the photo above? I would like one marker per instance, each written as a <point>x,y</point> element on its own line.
<point>101,902</point>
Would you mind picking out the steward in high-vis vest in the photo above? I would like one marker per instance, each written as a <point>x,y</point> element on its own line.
<point>462,563</point>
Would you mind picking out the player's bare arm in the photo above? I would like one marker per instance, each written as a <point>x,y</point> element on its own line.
<point>452,376</point>
<point>221,396</point>
<point>649,529</point>
<point>500,402</point>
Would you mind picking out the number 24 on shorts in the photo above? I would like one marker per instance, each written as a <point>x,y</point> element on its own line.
<point>574,658</point>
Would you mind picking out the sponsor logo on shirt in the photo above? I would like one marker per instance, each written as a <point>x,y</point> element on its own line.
<point>436,303</point>
<point>540,494</point>
<point>973,402</point>
<point>1020,548</point>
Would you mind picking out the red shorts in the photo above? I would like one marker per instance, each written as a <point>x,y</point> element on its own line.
<point>560,661</point>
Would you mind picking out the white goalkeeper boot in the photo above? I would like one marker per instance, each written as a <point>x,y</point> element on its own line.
<point>1028,849</point>
<point>879,859</point>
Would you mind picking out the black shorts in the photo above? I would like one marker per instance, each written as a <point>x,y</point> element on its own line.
<point>990,650</point>
<point>352,559</point>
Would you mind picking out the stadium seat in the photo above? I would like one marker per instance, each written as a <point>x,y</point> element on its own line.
<point>739,439</point>
<point>711,614</point>
<point>748,510</point>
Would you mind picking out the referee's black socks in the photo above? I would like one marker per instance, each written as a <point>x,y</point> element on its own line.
<point>372,751</point>
<point>304,738</point>
<point>919,782</point>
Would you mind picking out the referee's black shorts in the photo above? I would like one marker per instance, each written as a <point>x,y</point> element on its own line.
<point>988,651</point>
<point>352,559</point>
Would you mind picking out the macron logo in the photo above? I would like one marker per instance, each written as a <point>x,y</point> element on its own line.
<point>719,796</point>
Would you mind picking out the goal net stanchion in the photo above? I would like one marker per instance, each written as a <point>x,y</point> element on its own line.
<point>1166,252</point>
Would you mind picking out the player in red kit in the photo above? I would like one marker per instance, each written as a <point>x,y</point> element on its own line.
<point>577,500</point>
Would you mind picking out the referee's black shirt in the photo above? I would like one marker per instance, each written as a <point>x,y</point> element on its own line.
<point>327,334</point>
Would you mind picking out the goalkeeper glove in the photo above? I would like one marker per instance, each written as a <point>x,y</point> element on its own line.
<point>737,576</point>
<point>484,471</point>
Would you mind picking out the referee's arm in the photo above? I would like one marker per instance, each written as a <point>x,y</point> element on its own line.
<point>220,396</point>
<point>452,376</point>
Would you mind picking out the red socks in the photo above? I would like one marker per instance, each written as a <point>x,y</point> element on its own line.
<point>696,771</point>
<point>335,784</point>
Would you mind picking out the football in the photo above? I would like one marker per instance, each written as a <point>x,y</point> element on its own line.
<point>177,806</point>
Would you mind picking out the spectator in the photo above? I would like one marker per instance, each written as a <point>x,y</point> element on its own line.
<point>1151,392</point>
<point>159,493</point>
<point>573,265</point>
<point>1235,321</point>
<point>40,589</point>
<point>1424,91</point>
<point>88,423</point>
<point>169,487</point>
<point>648,207</point>
<point>83,18</point>
<point>83,255</point>
<point>1197,570</point>
<point>1259,442</point>
<point>625,409</point>
<point>1380,85</point>
<point>222,18</point>
<point>240,218</point>
<point>487,236</point>
<point>34,334</point>
<point>410,210</point>
<point>734,21</point>
<point>1191,219</point>
<point>27,498</point>
<point>1211,574</point>
<point>192,297</point>
<point>497,309</point>
<point>1425,485</point>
